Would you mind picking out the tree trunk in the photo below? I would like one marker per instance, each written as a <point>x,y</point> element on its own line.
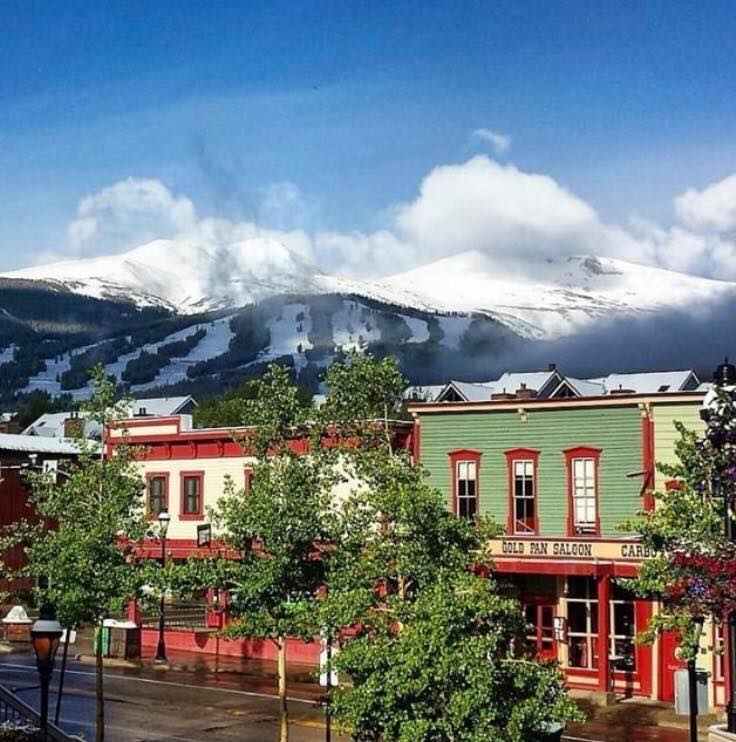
<point>100,721</point>
<point>283,710</point>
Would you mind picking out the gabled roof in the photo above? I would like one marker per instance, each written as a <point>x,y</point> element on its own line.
<point>552,383</point>
<point>650,382</point>
<point>536,380</point>
<point>161,406</point>
<point>51,424</point>
<point>424,393</point>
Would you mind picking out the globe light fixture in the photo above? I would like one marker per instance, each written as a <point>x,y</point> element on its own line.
<point>45,637</point>
<point>164,518</point>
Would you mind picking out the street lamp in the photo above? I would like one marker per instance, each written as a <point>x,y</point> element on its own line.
<point>45,637</point>
<point>163,521</point>
<point>725,376</point>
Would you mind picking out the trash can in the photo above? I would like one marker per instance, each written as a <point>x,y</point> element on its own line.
<point>17,625</point>
<point>125,639</point>
<point>682,691</point>
<point>102,638</point>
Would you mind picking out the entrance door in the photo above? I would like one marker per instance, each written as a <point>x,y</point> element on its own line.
<point>669,641</point>
<point>540,617</point>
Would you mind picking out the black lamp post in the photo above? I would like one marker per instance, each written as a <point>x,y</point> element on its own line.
<point>45,637</point>
<point>725,376</point>
<point>163,520</point>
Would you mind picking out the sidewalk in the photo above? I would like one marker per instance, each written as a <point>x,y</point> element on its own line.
<point>641,713</point>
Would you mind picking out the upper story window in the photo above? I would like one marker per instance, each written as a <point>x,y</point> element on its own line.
<point>522,466</point>
<point>158,495</point>
<point>465,479</point>
<point>582,475</point>
<point>191,494</point>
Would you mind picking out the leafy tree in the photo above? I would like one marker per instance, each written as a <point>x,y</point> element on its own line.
<point>277,526</point>
<point>456,670</point>
<point>692,572</point>
<point>229,409</point>
<point>431,648</point>
<point>74,551</point>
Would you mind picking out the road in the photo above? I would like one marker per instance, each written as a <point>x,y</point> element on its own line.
<point>156,705</point>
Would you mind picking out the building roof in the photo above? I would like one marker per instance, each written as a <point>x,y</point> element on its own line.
<point>37,444</point>
<point>650,382</point>
<point>161,406</point>
<point>423,393</point>
<point>51,424</point>
<point>552,383</point>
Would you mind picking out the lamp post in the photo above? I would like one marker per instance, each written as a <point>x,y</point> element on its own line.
<point>163,521</point>
<point>725,376</point>
<point>45,637</point>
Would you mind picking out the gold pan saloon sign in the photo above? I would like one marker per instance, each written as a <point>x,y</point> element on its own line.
<point>569,549</point>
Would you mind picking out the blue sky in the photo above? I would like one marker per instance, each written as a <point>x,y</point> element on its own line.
<point>626,104</point>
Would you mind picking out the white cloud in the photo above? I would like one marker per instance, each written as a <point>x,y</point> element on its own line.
<point>713,208</point>
<point>520,218</point>
<point>500,143</point>
<point>128,213</point>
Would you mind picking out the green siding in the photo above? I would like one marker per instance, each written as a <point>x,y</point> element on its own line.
<point>615,430</point>
<point>665,435</point>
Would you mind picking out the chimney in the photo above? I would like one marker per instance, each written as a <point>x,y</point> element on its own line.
<point>621,390</point>
<point>73,426</point>
<point>523,393</point>
<point>500,396</point>
<point>551,367</point>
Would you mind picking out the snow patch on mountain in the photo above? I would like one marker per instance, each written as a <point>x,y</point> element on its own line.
<point>213,344</point>
<point>351,330</point>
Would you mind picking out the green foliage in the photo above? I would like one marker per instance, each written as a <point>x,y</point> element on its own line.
<point>455,670</point>
<point>73,551</point>
<point>228,410</point>
<point>362,389</point>
<point>686,524</point>
<point>438,653</point>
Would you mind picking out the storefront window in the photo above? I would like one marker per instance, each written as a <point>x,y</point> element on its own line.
<point>582,621</point>
<point>623,630</point>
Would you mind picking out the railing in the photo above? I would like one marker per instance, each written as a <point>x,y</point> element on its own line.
<point>177,616</point>
<point>15,713</point>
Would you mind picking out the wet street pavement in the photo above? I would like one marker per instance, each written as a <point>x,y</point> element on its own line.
<point>184,706</point>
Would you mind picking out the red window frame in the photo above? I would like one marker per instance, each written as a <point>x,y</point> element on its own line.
<point>183,515</point>
<point>457,456</point>
<point>571,454</point>
<point>149,477</point>
<point>512,456</point>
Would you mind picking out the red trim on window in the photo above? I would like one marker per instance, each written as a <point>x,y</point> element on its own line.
<point>521,454</point>
<point>647,460</point>
<point>582,452</point>
<point>182,495</point>
<point>152,475</point>
<point>456,456</point>
<point>247,478</point>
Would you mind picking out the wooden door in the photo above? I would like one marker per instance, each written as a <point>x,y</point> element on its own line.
<point>540,617</point>
<point>669,641</point>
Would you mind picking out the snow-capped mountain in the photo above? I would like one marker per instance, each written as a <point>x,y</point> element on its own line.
<point>546,299</point>
<point>554,298</point>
